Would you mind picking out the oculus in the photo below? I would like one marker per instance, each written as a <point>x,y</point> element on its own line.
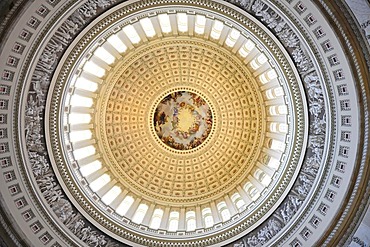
<point>183,120</point>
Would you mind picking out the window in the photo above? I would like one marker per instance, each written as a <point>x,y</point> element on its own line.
<point>164,21</point>
<point>5,162</point>
<point>90,168</point>
<point>268,76</point>
<point>345,136</point>
<point>14,189</point>
<point>340,167</point>
<point>111,195</point>
<point>224,211</point>
<point>33,22</point>
<point>246,48</point>
<point>237,200</point>
<point>306,233</point>
<point>207,217</point>
<point>43,11</point>
<point>7,75</point>
<point>217,29</point>
<point>25,35</point>
<point>9,176</point>
<point>20,203</point>
<point>339,75</point>
<point>336,181</point>
<point>190,221</point>
<point>310,20</point>
<point>345,105</point>
<point>12,61</point>
<point>277,145</point>
<point>342,89</point>
<point>300,8</point>
<point>104,55</point>
<point>3,118</point>
<point>333,60</point>
<point>343,151</point>
<point>46,238</point>
<point>173,221</point>
<point>182,22</point>
<point>315,221</point>
<point>330,195</point>
<point>319,33</point>
<point>99,183</point>
<point>326,45</point>
<point>147,26</point>
<point>273,163</point>
<point>156,219</point>
<point>18,48</point>
<point>131,34</point>
<point>140,213</point>
<point>323,208</point>
<point>232,37</point>
<point>258,61</point>
<point>125,205</point>
<point>4,89</point>
<point>28,215</point>
<point>200,23</point>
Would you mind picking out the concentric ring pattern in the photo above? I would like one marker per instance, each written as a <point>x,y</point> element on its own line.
<point>183,123</point>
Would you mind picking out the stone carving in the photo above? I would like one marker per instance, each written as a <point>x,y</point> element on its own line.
<point>34,114</point>
<point>44,175</point>
<point>313,158</point>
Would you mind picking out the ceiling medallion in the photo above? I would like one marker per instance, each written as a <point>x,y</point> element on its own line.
<point>183,120</point>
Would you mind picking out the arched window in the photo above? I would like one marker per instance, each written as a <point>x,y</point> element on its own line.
<point>268,76</point>
<point>224,211</point>
<point>111,195</point>
<point>238,201</point>
<point>190,221</point>
<point>207,217</point>
<point>258,61</point>
<point>156,219</point>
<point>277,145</point>
<point>173,221</point>
<point>273,163</point>
<point>98,183</point>
<point>125,205</point>
<point>140,213</point>
<point>200,23</point>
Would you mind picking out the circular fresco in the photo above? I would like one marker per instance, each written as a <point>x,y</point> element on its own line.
<point>183,120</point>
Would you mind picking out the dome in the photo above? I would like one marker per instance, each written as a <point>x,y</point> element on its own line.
<point>184,123</point>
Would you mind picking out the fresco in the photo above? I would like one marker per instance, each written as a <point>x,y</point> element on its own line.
<point>183,120</point>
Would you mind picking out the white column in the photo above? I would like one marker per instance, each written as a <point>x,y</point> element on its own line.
<point>92,177</point>
<point>91,77</point>
<point>117,201</point>
<point>256,183</point>
<point>148,215</point>
<point>198,217</point>
<point>182,223</point>
<point>270,172</point>
<point>165,218</point>
<point>246,198</point>
<point>77,127</point>
<point>216,215</point>
<point>83,143</point>
<point>101,63</point>
<point>106,188</point>
<point>84,93</point>
<point>230,205</point>
<point>130,213</point>
<point>107,46</point>
<point>88,159</point>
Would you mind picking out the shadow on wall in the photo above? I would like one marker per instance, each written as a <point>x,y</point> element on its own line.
<point>5,6</point>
